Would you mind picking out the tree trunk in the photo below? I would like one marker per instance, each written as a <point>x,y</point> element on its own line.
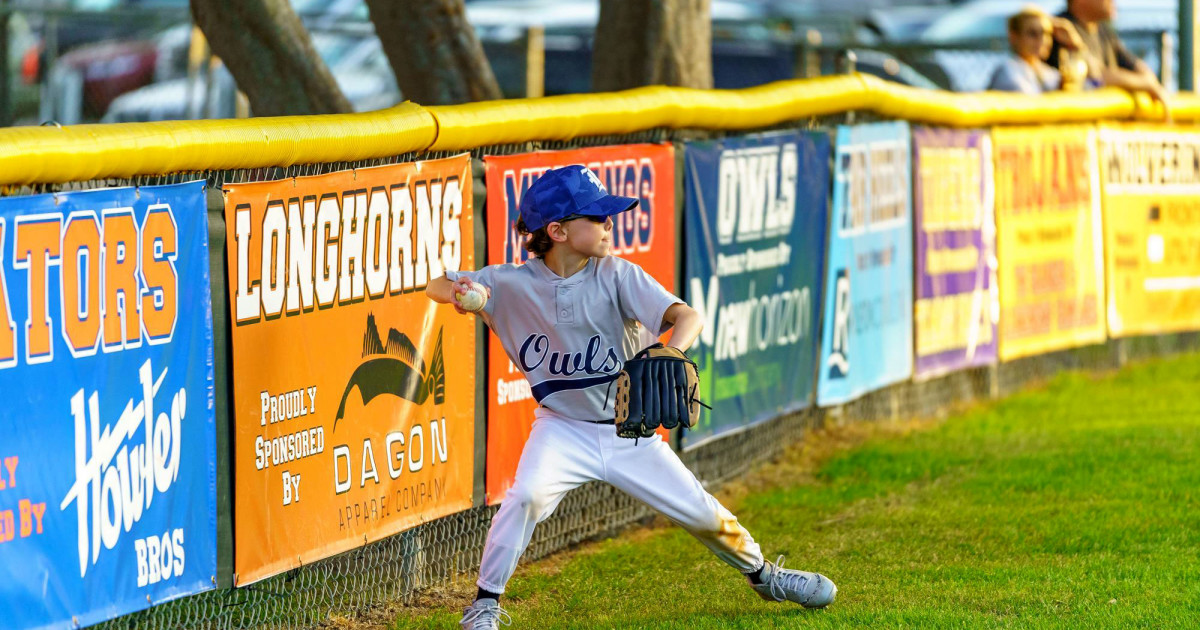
<point>433,51</point>
<point>652,42</point>
<point>271,56</point>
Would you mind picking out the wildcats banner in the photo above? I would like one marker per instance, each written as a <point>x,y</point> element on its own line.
<point>957,302</point>
<point>644,235</point>
<point>1048,235</point>
<point>354,393</point>
<point>108,462</point>
<point>757,210</point>
<point>1151,229</point>
<point>866,339</point>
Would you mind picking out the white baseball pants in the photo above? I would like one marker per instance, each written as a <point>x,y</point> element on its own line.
<point>562,454</point>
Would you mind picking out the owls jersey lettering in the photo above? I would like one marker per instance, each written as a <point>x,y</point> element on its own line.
<point>570,336</point>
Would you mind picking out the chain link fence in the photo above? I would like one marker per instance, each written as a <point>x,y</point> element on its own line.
<point>447,551</point>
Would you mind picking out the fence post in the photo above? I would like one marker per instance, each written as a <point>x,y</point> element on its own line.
<point>808,57</point>
<point>849,62</point>
<point>1187,45</point>
<point>222,416</point>
<point>1166,59</point>
<point>535,62</point>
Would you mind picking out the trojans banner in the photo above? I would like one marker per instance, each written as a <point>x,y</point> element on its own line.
<point>108,460</point>
<point>866,334</point>
<point>1151,184</point>
<point>957,302</point>
<point>1048,237</point>
<point>756,213</point>
<point>644,235</point>
<point>354,394</point>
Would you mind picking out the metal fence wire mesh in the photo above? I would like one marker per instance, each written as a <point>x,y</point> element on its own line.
<point>447,551</point>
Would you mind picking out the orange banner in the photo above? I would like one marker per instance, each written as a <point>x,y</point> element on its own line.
<point>354,394</point>
<point>644,235</point>
<point>1048,238</point>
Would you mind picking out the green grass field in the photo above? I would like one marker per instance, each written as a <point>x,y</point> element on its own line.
<point>1075,505</point>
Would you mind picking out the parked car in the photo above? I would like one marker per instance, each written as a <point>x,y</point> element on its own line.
<point>357,63</point>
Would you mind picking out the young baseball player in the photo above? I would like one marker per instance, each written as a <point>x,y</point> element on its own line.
<point>569,318</point>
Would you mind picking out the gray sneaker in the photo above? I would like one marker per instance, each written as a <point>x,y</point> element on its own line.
<point>484,614</point>
<point>811,590</point>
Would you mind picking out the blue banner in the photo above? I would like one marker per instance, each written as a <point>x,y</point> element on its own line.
<point>755,224</point>
<point>866,332</point>
<point>108,462</point>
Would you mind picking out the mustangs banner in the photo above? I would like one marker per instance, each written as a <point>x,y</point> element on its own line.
<point>644,235</point>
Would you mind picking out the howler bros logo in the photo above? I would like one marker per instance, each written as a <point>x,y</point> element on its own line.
<point>117,282</point>
<point>339,248</point>
<point>633,231</point>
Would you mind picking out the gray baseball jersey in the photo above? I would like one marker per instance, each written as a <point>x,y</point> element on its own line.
<point>570,336</point>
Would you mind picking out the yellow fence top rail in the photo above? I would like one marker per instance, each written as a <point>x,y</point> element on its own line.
<point>51,154</point>
<point>86,152</point>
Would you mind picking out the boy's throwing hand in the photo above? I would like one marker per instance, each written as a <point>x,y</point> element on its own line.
<point>469,297</point>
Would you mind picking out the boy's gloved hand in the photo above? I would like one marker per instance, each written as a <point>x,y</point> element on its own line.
<point>657,387</point>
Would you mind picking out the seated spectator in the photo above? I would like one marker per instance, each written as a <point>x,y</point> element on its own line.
<point>1108,61</point>
<point>1030,34</point>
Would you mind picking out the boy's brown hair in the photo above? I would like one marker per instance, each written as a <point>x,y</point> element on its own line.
<point>539,242</point>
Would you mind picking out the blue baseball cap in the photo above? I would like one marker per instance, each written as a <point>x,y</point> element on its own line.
<point>569,191</point>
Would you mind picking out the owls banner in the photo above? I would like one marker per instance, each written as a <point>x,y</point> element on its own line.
<point>755,226</point>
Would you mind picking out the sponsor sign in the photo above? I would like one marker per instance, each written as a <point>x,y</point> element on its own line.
<point>108,463</point>
<point>957,301</point>
<point>867,330</point>
<point>1151,189</point>
<point>756,214</point>
<point>353,392</point>
<point>1048,237</point>
<point>644,235</point>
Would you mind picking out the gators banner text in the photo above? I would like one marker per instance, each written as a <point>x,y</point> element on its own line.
<point>354,394</point>
<point>1151,229</point>
<point>1048,237</point>
<point>108,463</point>
<point>644,235</point>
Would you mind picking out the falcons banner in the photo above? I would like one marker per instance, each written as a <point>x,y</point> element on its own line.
<point>354,394</point>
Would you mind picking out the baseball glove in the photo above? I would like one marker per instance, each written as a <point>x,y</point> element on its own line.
<point>657,387</point>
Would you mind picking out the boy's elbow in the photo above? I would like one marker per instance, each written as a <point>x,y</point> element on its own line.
<point>683,313</point>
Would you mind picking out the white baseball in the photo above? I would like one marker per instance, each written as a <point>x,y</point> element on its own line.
<point>473,300</point>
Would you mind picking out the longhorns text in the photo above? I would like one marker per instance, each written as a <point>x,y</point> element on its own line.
<point>345,247</point>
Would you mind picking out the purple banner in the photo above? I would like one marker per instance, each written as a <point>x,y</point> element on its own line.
<point>956,299</point>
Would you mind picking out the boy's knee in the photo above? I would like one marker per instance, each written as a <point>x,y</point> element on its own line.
<point>531,501</point>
